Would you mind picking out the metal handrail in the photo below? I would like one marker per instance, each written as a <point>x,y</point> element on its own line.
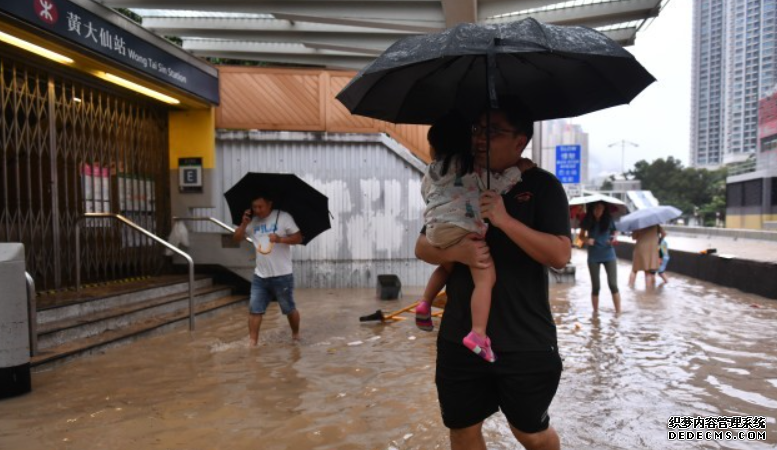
<point>32,313</point>
<point>136,227</point>
<point>213,220</point>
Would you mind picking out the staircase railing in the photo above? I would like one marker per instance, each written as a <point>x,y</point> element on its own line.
<point>212,220</point>
<point>147,233</point>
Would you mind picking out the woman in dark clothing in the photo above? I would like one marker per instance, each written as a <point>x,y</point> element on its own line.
<point>598,233</point>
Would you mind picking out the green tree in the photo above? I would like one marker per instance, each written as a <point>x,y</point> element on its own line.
<point>131,15</point>
<point>694,191</point>
<point>607,185</point>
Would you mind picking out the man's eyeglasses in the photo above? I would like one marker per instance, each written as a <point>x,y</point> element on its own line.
<point>478,129</point>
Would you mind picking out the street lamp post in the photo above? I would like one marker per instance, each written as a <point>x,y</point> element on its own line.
<point>623,143</point>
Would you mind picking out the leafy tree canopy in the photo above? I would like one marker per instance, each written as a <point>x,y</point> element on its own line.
<point>692,190</point>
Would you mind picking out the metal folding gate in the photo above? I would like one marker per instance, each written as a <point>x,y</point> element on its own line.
<point>68,148</point>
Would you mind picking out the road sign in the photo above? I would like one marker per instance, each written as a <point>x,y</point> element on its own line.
<point>573,190</point>
<point>568,163</point>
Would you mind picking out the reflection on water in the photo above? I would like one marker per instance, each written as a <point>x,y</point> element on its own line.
<point>688,348</point>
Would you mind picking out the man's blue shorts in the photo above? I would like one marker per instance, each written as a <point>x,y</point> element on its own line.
<point>263,290</point>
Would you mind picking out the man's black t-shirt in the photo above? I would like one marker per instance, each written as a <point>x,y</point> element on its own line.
<point>520,318</point>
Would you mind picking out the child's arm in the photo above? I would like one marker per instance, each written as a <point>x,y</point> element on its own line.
<point>471,251</point>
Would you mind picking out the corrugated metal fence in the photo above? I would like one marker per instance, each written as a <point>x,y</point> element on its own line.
<point>373,185</point>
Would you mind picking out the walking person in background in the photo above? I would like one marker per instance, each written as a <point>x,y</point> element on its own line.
<point>663,253</point>
<point>273,233</point>
<point>645,257</point>
<point>597,232</point>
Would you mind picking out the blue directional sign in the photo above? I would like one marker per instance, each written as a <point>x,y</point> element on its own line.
<point>568,163</point>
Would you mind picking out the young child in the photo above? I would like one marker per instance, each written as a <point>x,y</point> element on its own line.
<point>663,253</point>
<point>451,189</point>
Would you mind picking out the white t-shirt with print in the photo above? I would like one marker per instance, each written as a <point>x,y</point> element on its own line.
<point>278,261</point>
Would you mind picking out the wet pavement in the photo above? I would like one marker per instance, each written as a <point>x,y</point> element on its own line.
<point>686,349</point>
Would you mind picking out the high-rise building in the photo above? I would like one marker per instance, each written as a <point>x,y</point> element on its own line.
<point>751,188</point>
<point>733,67</point>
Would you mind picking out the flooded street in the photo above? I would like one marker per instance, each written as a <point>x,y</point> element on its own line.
<point>687,349</point>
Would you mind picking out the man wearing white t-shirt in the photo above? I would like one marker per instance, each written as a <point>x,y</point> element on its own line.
<point>273,233</point>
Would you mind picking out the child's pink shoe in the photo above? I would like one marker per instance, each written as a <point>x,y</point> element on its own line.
<point>480,346</point>
<point>423,316</point>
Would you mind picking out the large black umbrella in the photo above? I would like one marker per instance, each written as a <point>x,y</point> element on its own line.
<point>549,71</point>
<point>308,207</point>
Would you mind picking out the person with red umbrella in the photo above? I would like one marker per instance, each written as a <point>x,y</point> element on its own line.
<point>273,233</point>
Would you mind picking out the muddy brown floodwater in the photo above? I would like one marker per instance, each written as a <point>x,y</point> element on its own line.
<point>686,349</point>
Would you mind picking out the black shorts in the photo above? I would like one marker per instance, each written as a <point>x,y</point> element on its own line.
<point>521,384</point>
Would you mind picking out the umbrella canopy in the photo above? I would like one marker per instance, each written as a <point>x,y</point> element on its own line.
<point>550,71</point>
<point>647,217</point>
<point>616,206</point>
<point>308,207</point>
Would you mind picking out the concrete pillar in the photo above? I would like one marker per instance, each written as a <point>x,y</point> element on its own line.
<point>14,326</point>
<point>536,145</point>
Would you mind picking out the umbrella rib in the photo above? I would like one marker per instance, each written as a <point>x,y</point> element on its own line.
<point>593,69</point>
<point>445,64</point>
<point>445,61</point>
<point>524,60</point>
<point>621,95</point>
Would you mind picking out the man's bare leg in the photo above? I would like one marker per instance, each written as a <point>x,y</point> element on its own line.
<point>294,320</point>
<point>254,323</point>
<point>470,438</point>
<point>543,440</point>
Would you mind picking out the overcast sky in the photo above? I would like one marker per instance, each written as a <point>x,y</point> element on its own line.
<point>658,120</point>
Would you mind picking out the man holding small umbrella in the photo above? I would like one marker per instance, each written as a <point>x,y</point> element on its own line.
<point>273,232</point>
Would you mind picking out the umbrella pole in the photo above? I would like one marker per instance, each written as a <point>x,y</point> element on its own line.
<point>493,103</point>
<point>488,150</point>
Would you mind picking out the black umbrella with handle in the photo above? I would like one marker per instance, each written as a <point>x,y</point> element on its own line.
<point>308,207</point>
<point>548,71</point>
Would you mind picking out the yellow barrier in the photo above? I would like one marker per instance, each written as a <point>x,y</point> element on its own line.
<point>395,316</point>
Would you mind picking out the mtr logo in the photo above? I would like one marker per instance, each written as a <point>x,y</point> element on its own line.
<point>46,11</point>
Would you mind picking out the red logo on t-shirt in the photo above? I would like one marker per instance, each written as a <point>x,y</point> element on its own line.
<point>46,11</point>
<point>523,197</point>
